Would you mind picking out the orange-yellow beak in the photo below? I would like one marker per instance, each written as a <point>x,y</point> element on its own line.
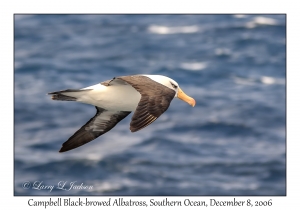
<point>181,95</point>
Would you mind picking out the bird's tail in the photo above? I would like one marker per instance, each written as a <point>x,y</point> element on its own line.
<point>66,95</point>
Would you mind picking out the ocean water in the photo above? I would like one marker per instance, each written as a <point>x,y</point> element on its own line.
<point>233,142</point>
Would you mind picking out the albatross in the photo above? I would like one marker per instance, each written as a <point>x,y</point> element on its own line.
<point>149,96</point>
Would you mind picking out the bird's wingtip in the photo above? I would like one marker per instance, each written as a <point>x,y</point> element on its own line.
<point>62,150</point>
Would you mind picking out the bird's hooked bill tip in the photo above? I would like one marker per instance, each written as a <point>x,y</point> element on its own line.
<point>181,95</point>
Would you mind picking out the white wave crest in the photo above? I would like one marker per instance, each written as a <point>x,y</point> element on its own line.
<point>172,30</point>
<point>195,66</point>
<point>261,21</point>
<point>263,79</point>
<point>239,16</point>
<point>270,80</point>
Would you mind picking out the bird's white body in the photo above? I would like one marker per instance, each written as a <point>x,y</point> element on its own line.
<point>113,98</point>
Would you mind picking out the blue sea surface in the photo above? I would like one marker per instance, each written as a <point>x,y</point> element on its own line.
<point>233,142</point>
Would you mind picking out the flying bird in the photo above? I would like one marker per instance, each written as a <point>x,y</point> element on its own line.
<point>148,96</point>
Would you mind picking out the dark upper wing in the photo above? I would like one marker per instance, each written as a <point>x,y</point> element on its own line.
<point>101,123</point>
<point>155,100</point>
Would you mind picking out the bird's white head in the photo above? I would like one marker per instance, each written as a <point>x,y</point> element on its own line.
<point>172,84</point>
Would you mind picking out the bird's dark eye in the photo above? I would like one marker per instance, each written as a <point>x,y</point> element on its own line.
<point>174,86</point>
